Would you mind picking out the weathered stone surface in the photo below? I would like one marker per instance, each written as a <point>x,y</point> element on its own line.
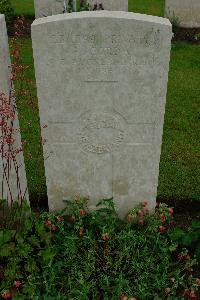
<point>101,83</point>
<point>44,8</point>
<point>9,189</point>
<point>115,5</point>
<point>187,11</point>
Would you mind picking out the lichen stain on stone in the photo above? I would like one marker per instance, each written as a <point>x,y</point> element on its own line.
<point>121,186</point>
<point>56,191</point>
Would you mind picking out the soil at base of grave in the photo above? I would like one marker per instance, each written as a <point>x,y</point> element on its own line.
<point>189,35</point>
<point>185,210</point>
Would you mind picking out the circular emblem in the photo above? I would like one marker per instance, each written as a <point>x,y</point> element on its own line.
<point>101,133</point>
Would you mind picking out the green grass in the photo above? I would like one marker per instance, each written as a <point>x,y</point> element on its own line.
<point>179,167</point>
<point>179,160</point>
<point>149,7</point>
<point>23,7</point>
<point>30,130</point>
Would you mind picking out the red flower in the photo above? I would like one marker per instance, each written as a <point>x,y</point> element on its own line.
<point>13,77</point>
<point>141,222</point>
<point>17,283</point>
<point>171,211</point>
<point>184,256</point>
<point>198,281</point>
<point>139,213</point>
<point>59,218</point>
<point>105,237</point>
<point>9,140</point>
<point>71,218</point>
<point>192,295</point>
<point>162,218</point>
<point>17,34</point>
<point>173,224</point>
<point>47,223</point>
<point>81,231</point>
<point>15,53</point>
<point>53,228</point>
<point>162,229</point>
<point>6,295</point>
<point>82,212</point>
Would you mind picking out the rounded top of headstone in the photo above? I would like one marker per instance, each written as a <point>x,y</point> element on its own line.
<point>103,14</point>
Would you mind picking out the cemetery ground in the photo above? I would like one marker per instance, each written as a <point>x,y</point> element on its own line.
<point>178,180</point>
<point>107,255</point>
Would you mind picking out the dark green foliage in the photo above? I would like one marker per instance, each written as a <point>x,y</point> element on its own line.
<point>84,6</point>
<point>175,21</point>
<point>7,9</point>
<point>189,239</point>
<point>85,254</point>
<point>70,6</point>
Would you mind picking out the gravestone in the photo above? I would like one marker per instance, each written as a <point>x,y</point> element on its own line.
<point>114,5</point>
<point>101,83</point>
<point>187,12</point>
<point>44,8</point>
<point>10,187</point>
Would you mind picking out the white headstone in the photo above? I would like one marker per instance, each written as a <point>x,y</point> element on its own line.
<point>10,187</point>
<point>115,5</point>
<point>44,8</point>
<point>101,84</point>
<point>187,12</point>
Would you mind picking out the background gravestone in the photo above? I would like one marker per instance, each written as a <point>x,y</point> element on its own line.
<point>101,83</point>
<point>114,5</point>
<point>45,8</point>
<point>5,86</point>
<point>187,11</point>
<point>53,7</point>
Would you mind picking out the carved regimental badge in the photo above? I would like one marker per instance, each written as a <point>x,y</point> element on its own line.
<point>101,132</point>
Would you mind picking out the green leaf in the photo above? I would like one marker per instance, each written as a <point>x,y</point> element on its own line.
<point>187,240</point>
<point>34,241</point>
<point>7,250</point>
<point>176,234</point>
<point>47,254</point>
<point>196,225</point>
<point>6,236</point>
<point>24,250</point>
<point>107,202</point>
<point>40,229</point>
